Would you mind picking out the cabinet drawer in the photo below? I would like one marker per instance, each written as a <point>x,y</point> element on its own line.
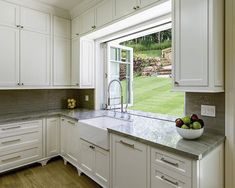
<point>14,142</point>
<point>171,162</point>
<point>20,128</point>
<point>163,178</point>
<point>18,158</point>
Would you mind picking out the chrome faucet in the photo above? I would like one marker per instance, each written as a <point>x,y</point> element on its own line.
<point>121,93</point>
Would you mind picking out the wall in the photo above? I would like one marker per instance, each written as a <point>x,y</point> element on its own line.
<point>18,101</point>
<point>193,102</point>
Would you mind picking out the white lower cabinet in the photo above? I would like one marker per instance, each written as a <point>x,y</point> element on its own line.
<point>130,163</point>
<point>52,136</point>
<point>70,140</point>
<point>20,144</point>
<point>95,163</point>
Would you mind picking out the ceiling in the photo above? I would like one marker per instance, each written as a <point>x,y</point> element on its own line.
<point>64,4</point>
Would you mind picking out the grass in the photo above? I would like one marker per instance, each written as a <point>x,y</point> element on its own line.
<point>151,53</point>
<point>153,94</point>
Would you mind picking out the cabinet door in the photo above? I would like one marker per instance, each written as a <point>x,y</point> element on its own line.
<point>76,27</point>
<point>34,59</point>
<point>61,27</point>
<point>88,21</point>
<point>129,163</point>
<point>191,43</point>
<point>123,7</point>
<point>87,156</point>
<point>33,20</point>
<point>104,13</point>
<point>63,137</point>
<point>73,141</point>
<point>61,63</point>
<point>9,14</point>
<point>75,62</point>
<point>87,63</point>
<point>52,138</point>
<point>101,165</point>
<point>9,56</point>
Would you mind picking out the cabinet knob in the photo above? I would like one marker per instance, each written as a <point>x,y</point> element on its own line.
<point>77,34</point>
<point>93,27</point>
<point>18,84</point>
<point>134,8</point>
<point>176,83</point>
<point>77,84</point>
<point>22,84</point>
<point>137,7</point>
<point>21,27</point>
<point>92,147</point>
<point>17,26</point>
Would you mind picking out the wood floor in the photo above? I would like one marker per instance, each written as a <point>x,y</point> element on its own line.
<point>54,175</point>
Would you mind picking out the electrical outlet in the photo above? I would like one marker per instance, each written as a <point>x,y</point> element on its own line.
<point>86,98</point>
<point>207,110</point>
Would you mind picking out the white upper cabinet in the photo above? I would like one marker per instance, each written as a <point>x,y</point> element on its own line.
<point>75,73</point>
<point>61,65</point>
<point>25,49</point>
<point>9,14</point>
<point>61,27</point>
<point>61,61</point>
<point>88,21</point>
<point>36,21</point>
<point>34,59</point>
<point>103,13</point>
<point>87,64</point>
<point>198,45</point>
<point>82,69</point>
<point>123,7</point>
<point>76,27</point>
<point>9,56</point>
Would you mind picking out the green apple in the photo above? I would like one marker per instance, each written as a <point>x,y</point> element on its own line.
<point>186,120</point>
<point>184,126</point>
<point>197,125</point>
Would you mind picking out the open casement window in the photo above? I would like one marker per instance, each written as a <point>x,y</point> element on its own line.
<point>119,67</point>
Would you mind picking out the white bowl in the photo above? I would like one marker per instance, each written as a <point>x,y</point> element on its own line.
<point>190,133</point>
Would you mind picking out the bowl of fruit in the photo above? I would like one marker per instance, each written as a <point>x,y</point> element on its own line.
<point>190,127</point>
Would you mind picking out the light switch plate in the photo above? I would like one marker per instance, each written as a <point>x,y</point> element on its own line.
<point>207,110</point>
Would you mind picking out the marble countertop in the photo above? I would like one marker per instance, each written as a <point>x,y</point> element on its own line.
<point>155,131</point>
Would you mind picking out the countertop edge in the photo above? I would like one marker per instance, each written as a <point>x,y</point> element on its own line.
<point>167,148</point>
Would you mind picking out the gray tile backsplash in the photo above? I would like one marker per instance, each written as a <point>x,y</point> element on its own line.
<point>18,101</point>
<point>193,102</point>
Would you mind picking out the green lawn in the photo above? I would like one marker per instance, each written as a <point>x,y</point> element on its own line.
<point>151,53</point>
<point>153,94</point>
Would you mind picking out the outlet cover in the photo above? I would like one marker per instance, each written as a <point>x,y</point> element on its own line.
<point>207,110</point>
<point>86,98</point>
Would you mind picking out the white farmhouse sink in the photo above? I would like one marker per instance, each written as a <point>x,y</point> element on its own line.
<point>94,130</point>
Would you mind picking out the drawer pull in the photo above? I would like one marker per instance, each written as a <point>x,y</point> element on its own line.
<point>168,162</point>
<point>11,159</point>
<point>10,141</point>
<point>9,128</point>
<point>127,144</point>
<point>170,181</point>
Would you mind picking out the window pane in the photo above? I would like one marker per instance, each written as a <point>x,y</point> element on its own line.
<point>115,54</point>
<point>125,56</point>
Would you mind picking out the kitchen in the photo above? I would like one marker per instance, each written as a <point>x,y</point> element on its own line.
<point>45,47</point>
